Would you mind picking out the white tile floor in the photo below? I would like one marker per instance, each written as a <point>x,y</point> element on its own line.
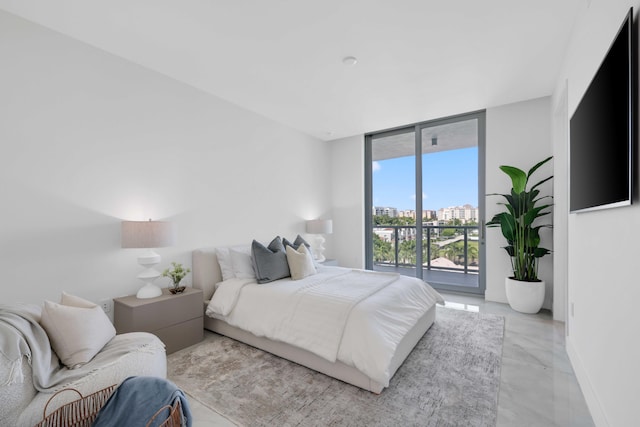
<point>538,386</point>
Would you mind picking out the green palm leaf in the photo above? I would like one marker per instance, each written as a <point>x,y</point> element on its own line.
<point>518,177</point>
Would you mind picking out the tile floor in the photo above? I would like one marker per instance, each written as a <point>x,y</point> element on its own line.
<point>538,386</point>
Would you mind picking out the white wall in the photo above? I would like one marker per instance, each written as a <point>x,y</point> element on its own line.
<point>560,135</point>
<point>517,135</point>
<point>603,276</point>
<point>347,190</point>
<point>89,139</point>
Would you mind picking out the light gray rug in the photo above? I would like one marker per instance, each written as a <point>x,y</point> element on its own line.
<point>450,379</point>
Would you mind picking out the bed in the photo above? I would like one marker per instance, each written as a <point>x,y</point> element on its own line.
<point>207,274</point>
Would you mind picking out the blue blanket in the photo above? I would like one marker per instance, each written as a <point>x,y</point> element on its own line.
<point>136,401</point>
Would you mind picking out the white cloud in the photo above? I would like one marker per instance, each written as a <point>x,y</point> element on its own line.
<point>375,166</point>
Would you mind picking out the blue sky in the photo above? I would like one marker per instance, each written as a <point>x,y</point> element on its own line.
<point>449,178</point>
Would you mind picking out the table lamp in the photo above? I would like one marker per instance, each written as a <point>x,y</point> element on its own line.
<point>148,235</point>
<point>319,227</point>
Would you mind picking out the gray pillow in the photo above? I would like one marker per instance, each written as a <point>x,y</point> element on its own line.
<point>296,243</point>
<point>270,263</point>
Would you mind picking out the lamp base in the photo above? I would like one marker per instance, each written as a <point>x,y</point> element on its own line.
<point>149,291</point>
<point>318,248</point>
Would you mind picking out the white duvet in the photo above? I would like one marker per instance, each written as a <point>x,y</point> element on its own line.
<point>357,317</point>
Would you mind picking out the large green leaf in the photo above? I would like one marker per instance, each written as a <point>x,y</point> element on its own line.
<point>508,226</point>
<point>532,238</point>
<point>542,182</point>
<point>535,168</point>
<point>534,214</point>
<point>518,177</point>
<point>518,202</point>
<point>540,252</point>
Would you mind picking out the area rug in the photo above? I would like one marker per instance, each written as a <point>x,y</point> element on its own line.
<point>451,378</point>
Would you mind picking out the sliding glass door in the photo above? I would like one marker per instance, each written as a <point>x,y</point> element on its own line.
<point>424,214</point>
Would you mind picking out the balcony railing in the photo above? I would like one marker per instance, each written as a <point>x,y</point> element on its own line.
<point>455,251</point>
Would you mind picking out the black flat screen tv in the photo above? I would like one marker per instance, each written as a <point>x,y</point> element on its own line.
<point>601,132</point>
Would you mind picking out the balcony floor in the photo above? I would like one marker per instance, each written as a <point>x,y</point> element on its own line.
<point>439,279</point>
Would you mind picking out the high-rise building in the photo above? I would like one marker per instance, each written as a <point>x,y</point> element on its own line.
<point>390,212</point>
<point>464,213</point>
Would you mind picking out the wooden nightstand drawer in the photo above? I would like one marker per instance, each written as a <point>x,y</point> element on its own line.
<point>182,335</point>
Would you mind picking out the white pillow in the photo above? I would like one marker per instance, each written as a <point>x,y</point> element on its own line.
<point>224,260</point>
<point>74,301</point>
<point>223,253</point>
<point>300,262</point>
<point>241,263</point>
<point>78,329</point>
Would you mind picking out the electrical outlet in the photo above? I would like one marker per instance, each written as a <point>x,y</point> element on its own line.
<point>107,305</point>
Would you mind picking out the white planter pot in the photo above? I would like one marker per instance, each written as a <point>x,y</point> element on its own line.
<point>525,297</point>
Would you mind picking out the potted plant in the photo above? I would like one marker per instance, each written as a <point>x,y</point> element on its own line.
<point>525,291</point>
<point>176,273</point>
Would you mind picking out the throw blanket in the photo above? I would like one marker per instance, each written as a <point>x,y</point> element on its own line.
<point>138,399</point>
<point>316,313</point>
<point>22,336</point>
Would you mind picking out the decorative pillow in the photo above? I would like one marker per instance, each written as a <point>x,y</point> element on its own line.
<point>74,301</point>
<point>241,263</point>
<point>299,242</point>
<point>270,263</point>
<point>296,243</point>
<point>223,253</point>
<point>224,261</point>
<point>300,262</point>
<point>78,329</point>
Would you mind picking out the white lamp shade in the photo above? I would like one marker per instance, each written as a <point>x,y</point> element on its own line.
<point>147,234</point>
<point>320,226</point>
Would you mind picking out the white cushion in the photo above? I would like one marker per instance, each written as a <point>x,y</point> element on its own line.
<point>300,262</point>
<point>78,329</point>
<point>242,263</point>
<point>223,253</point>
<point>224,260</point>
<point>74,301</point>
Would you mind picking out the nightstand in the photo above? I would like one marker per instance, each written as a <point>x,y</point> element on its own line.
<point>176,319</point>
<point>329,263</point>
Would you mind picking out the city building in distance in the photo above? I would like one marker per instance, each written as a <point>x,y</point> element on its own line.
<point>465,214</point>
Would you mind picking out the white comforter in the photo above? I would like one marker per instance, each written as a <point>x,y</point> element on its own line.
<point>354,316</point>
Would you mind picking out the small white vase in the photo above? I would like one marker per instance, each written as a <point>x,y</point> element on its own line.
<point>525,297</point>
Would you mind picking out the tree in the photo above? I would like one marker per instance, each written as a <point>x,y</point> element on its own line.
<point>382,251</point>
<point>448,232</point>
<point>454,252</point>
<point>387,220</point>
<point>407,252</point>
<point>472,252</point>
<point>435,251</point>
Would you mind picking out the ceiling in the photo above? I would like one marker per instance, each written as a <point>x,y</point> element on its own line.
<point>417,59</point>
<point>435,138</point>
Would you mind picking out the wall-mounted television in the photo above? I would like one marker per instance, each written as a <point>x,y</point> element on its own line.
<point>601,132</point>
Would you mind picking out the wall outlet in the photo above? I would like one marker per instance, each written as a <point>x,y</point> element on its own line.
<point>571,309</point>
<point>107,305</point>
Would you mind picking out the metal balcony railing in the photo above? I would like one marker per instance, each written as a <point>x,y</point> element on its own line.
<point>434,240</point>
